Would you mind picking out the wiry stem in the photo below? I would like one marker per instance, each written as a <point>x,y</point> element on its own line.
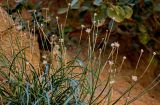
<point>69,4</point>
<point>148,65</point>
<point>138,61</point>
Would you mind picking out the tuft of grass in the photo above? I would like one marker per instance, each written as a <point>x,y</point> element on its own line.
<point>59,83</point>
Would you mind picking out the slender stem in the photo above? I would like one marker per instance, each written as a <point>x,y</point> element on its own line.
<point>148,65</point>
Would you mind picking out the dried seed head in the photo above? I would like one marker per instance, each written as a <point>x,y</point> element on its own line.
<point>124,57</point>
<point>83,26</point>
<point>134,78</point>
<point>112,45</point>
<point>95,14</point>
<point>69,4</point>
<point>27,63</point>
<point>44,56</point>
<point>44,62</point>
<point>112,81</point>
<point>116,44</point>
<point>110,63</point>
<point>42,25</point>
<point>142,50</point>
<point>46,9</point>
<point>88,30</point>
<point>19,27</point>
<point>57,17</point>
<point>61,40</point>
<point>113,18</point>
<point>154,53</point>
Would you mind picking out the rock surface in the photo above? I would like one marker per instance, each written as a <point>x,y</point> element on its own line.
<point>13,40</point>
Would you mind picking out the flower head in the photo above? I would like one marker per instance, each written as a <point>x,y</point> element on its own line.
<point>116,44</point>
<point>69,4</point>
<point>94,22</point>
<point>19,27</point>
<point>110,63</point>
<point>124,57</point>
<point>61,40</point>
<point>134,78</point>
<point>44,56</point>
<point>112,45</point>
<point>83,26</point>
<point>112,81</point>
<point>142,50</point>
<point>95,14</point>
<point>57,17</point>
<point>88,30</point>
<point>46,9</point>
<point>27,63</point>
<point>154,53</point>
<point>44,62</point>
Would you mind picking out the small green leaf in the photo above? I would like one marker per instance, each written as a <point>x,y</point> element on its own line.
<point>103,12</point>
<point>119,10</point>
<point>144,38</point>
<point>116,13</point>
<point>142,28</point>
<point>128,12</point>
<point>68,29</point>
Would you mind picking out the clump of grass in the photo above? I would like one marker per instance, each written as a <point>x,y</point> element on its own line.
<point>59,83</point>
